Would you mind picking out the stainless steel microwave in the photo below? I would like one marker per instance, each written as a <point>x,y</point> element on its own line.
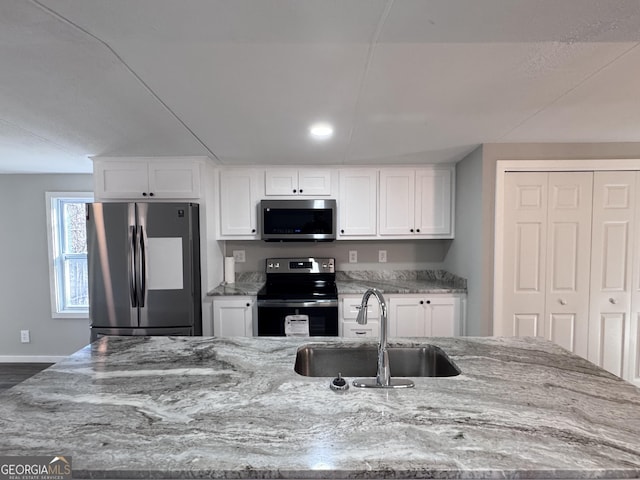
<point>298,220</point>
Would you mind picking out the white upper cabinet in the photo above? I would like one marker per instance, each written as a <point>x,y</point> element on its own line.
<point>416,202</point>
<point>357,203</point>
<point>293,181</point>
<point>146,178</point>
<point>239,203</point>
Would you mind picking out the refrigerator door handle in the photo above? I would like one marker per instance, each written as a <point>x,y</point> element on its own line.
<point>132,267</point>
<point>142,268</point>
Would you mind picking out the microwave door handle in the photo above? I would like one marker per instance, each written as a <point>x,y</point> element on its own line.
<point>142,268</point>
<point>132,267</point>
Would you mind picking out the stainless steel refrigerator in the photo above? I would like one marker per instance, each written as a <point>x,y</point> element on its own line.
<point>144,269</point>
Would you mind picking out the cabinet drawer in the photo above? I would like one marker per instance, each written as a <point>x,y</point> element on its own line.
<point>350,308</point>
<point>355,330</point>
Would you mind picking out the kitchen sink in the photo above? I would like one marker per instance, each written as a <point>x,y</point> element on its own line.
<point>361,361</point>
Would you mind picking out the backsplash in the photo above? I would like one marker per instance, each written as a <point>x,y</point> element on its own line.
<point>401,254</point>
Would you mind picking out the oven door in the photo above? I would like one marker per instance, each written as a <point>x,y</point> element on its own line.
<point>323,316</point>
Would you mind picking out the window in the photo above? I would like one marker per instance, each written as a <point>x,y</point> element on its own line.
<point>67,238</point>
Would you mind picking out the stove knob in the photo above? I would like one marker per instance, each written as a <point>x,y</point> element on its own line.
<point>277,265</point>
<point>270,265</point>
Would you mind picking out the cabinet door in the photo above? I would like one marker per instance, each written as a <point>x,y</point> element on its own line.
<point>314,182</point>
<point>233,317</point>
<point>442,317</point>
<point>358,199</point>
<point>238,203</point>
<point>120,179</point>
<point>281,181</point>
<point>433,202</point>
<point>613,214</point>
<point>179,179</point>
<point>568,260</point>
<point>397,202</point>
<point>406,317</point>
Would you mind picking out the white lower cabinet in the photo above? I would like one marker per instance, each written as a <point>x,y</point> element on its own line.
<point>348,309</point>
<point>436,315</point>
<point>233,316</point>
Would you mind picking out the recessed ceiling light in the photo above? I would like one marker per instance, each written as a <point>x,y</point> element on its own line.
<point>321,131</point>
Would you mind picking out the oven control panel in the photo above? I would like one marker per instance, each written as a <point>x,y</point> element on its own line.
<point>301,265</point>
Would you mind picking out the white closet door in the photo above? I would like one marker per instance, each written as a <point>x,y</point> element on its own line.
<point>613,214</point>
<point>525,232</point>
<point>632,367</point>
<point>568,260</point>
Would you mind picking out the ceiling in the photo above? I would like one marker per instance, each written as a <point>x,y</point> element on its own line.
<point>404,81</point>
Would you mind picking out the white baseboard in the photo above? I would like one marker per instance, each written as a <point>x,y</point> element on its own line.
<point>30,358</point>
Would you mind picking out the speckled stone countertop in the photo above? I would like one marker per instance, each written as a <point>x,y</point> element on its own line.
<point>203,407</point>
<point>357,282</point>
<point>400,281</point>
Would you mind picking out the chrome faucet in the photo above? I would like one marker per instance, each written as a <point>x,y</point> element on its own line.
<point>383,376</point>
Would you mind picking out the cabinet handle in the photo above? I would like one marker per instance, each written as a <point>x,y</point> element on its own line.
<point>300,190</point>
<point>341,231</point>
<point>248,304</point>
<point>562,301</point>
<point>428,302</point>
<point>144,194</point>
<point>612,301</point>
<point>294,190</point>
<point>421,302</point>
<point>411,230</point>
<point>359,333</point>
<point>151,194</point>
<point>253,230</point>
<point>418,230</point>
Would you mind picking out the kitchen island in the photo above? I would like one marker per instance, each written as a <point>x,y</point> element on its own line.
<point>203,407</point>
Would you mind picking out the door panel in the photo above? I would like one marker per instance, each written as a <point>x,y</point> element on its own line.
<point>110,250</point>
<point>525,254</point>
<point>613,214</point>
<point>611,348</point>
<point>172,275</point>
<point>562,330</point>
<point>525,325</point>
<point>569,260</point>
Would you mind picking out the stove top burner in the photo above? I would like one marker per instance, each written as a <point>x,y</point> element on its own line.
<point>299,279</point>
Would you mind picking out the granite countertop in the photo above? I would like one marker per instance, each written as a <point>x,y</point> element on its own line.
<point>357,282</point>
<point>204,407</point>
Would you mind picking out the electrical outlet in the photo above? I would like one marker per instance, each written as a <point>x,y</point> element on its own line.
<point>353,256</point>
<point>382,256</point>
<point>24,336</point>
<point>239,256</point>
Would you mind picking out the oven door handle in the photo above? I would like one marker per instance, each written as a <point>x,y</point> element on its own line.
<point>294,304</point>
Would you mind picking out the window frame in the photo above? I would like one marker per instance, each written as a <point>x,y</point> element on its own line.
<point>54,232</point>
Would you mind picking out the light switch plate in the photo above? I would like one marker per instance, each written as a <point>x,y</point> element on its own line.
<point>382,256</point>
<point>239,256</point>
<point>353,256</point>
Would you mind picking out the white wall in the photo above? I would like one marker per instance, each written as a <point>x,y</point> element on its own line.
<point>24,275</point>
<point>401,254</point>
<point>465,257</point>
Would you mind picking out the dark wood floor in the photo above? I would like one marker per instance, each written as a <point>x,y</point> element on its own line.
<point>12,373</point>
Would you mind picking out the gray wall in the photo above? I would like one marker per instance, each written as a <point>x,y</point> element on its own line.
<point>464,257</point>
<point>24,279</point>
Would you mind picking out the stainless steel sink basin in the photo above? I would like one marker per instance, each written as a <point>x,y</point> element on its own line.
<point>361,361</point>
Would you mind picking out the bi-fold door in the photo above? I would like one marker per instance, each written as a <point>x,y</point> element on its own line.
<point>569,268</point>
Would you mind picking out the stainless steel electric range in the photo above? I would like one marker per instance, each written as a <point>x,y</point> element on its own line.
<point>299,291</point>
